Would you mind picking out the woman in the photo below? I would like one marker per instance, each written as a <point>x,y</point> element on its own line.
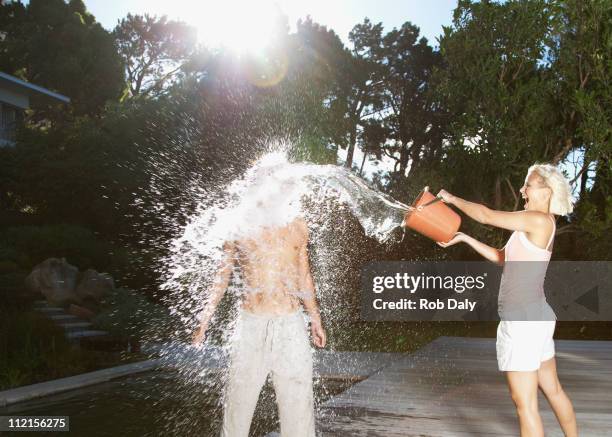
<point>525,347</point>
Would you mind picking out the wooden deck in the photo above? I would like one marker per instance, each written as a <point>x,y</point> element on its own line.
<point>452,387</point>
<point>355,366</point>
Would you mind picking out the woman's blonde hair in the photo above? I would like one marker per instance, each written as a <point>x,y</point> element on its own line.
<point>561,201</point>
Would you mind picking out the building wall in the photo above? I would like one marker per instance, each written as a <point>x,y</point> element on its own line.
<point>9,118</point>
<point>14,98</point>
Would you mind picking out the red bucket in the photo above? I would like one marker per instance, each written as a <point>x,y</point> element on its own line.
<point>431,217</point>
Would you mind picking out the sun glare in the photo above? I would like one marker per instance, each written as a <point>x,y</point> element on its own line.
<point>240,25</point>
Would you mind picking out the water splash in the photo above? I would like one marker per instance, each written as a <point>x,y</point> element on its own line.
<point>271,190</point>
<point>271,193</point>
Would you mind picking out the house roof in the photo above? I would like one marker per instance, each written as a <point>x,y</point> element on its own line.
<point>31,89</point>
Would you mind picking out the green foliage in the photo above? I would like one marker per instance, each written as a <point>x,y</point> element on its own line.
<point>94,167</point>
<point>26,246</point>
<point>513,83</point>
<point>298,105</point>
<point>312,149</point>
<point>496,90</point>
<point>580,42</point>
<point>60,46</point>
<point>128,313</point>
<point>154,51</point>
<point>524,82</point>
<point>34,349</point>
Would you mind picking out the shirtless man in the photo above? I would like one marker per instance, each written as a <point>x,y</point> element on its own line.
<point>270,336</point>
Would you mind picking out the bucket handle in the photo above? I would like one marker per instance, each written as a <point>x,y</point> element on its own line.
<point>420,207</point>
<point>431,202</point>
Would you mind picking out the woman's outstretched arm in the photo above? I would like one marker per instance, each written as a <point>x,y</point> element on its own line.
<point>490,253</point>
<point>526,221</point>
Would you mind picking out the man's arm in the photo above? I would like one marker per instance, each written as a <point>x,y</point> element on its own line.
<point>217,290</point>
<point>307,289</point>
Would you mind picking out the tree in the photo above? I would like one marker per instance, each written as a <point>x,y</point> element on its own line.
<point>154,50</point>
<point>295,102</point>
<point>495,88</point>
<point>409,65</point>
<point>579,45</point>
<point>528,81</point>
<point>373,139</point>
<point>359,92</point>
<point>60,46</point>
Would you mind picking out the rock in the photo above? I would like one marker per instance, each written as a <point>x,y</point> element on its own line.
<point>93,286</point>
<point>55,279</point>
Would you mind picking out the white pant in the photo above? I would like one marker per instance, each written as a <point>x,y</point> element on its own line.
<point>523,345</point>
<point>276,345</point>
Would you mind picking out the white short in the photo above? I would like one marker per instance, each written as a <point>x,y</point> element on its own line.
<point>523,345</point>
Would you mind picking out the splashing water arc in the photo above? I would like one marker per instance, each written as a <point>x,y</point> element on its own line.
<point>272,193</point>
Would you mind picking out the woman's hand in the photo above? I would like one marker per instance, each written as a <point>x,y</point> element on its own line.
<point>199,335</point>
<point>446,196</point>
<point>457,238</point>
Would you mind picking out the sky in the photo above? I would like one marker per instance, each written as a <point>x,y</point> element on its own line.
<point>213,18</point>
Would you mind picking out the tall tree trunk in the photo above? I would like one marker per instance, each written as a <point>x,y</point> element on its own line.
<point>498,195</point>
<point>404,158</point>
<point>351,148</point>
<point>564,151</point>
<point>415,157</point>
<point>601,187</point>
<point>584,178</point>
<point>365,154</point>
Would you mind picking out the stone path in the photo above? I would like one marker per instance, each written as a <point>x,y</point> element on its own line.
<point>74,327</point>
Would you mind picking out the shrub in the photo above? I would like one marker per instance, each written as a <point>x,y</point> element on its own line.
<point>26,246</point>
<point>34,349</point>
<point>126,312</point>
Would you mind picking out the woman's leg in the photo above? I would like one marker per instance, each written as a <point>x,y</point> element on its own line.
<point>560,403</point>
<point>524,391</point>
